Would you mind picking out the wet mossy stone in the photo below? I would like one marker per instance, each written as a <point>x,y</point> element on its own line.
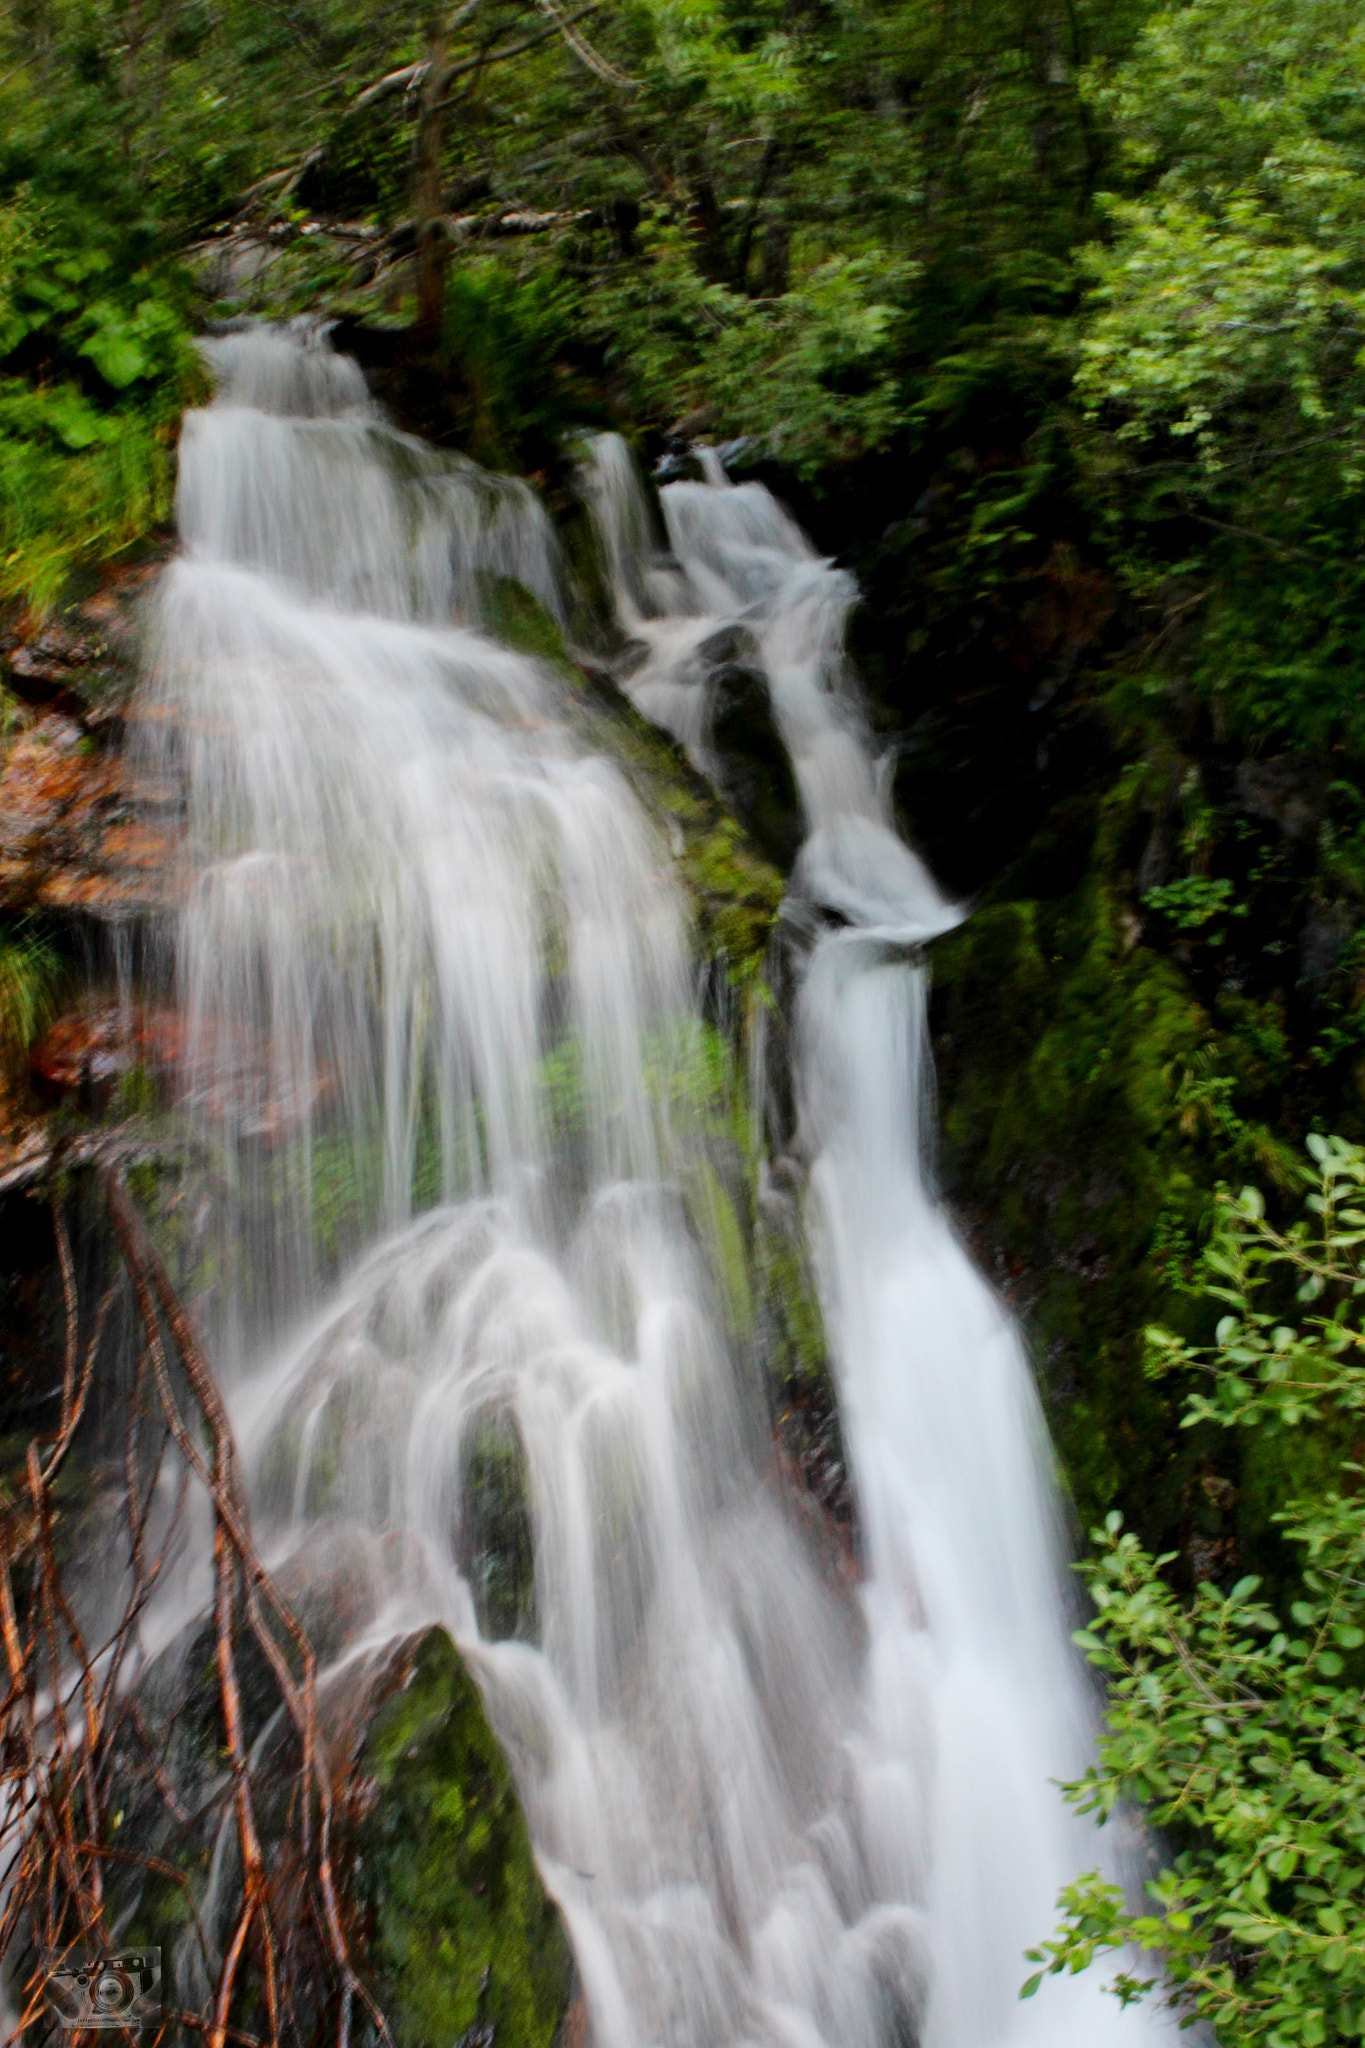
<point>736,893</point>
<point>725,862</point>
<point>1061,1148</point>
<point>516,617</point>
<point>463,1935</point>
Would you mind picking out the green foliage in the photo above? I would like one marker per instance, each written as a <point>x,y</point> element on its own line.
<point>1221,343</point>
<point>814,375</point>
<point>1235,276</point>
<point>30,977</point>
<point>508,345</point>
<point>1194,901</point>
<point>95,364</point>
<point>1233,1721</point>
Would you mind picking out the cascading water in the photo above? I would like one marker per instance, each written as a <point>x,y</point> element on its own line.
<point>971,1680</point>
<point>433,960</point>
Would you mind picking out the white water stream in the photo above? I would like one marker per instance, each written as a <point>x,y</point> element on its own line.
<point>435,949</point>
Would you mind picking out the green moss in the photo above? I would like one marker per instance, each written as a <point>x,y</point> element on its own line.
<point>1089,1101</point>
<point>463,1931</point>
<point>135,1094</point>
<point>718,1226</point>
<point>519,620</point>
<point>736,893</point>
<point>790,1307</point>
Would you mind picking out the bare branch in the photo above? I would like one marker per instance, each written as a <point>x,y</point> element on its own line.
<point>71,1722</point>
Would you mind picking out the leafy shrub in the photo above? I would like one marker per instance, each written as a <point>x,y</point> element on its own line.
<point>96,361</point>
<point>1234,1722</point>
<point>815,375</point>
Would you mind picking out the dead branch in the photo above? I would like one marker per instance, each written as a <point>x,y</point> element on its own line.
<point>591,59</point>
<point>73,1721</point>
<point>482,58</point>
<point>408,76</point>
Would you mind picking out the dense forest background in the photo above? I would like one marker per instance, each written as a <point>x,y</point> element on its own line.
<point>1049,321</point>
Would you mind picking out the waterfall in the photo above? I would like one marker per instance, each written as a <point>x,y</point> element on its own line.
<point>440,1045</point>
<point>973,1702</point>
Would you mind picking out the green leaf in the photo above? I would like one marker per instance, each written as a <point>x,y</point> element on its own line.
<point>118,356</point>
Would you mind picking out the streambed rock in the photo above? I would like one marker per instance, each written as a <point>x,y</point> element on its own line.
<point>448,1922</point>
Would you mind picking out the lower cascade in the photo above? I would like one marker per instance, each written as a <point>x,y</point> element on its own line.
<point>433,954</point>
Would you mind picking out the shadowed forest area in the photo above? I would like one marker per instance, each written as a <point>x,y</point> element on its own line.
<point>1047,323</point>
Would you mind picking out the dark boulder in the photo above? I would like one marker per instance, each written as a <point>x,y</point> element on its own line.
<point>750,762</point>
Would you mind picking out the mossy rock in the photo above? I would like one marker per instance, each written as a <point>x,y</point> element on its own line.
<point>735,889</point>
<point>517,618</point>
<point>463,1932</point>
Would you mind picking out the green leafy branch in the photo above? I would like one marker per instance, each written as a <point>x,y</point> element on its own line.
<point>1235,1729</point>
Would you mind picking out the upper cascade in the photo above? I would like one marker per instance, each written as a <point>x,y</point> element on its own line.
<point>294,471</point>
<point>737,558</point>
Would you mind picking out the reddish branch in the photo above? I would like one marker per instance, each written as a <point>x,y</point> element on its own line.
<point>71,1715</point>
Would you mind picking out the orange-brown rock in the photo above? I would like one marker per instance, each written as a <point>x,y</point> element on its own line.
<point>73,836</point>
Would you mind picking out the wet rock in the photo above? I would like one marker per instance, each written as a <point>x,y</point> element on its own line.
<point>82,661</point>
<point>736,891</point>
<point>73,834</point>
<point>25,1148</point>
<point>330,1582</point>
<point>80,840</point>
<point>691,426</point>
<point>463,1933</point>
<point>752,767</point>
<point>1326,932</point>
<point>1288,791</point>
<point>92,1049</point>
<point>233,264</point>
<point>1158,859</point>
<point>31,1350</point>
<point>494,1541</point>
<point>449,1923</point>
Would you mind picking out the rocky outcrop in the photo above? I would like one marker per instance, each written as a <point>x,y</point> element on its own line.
<point>76,835</point>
